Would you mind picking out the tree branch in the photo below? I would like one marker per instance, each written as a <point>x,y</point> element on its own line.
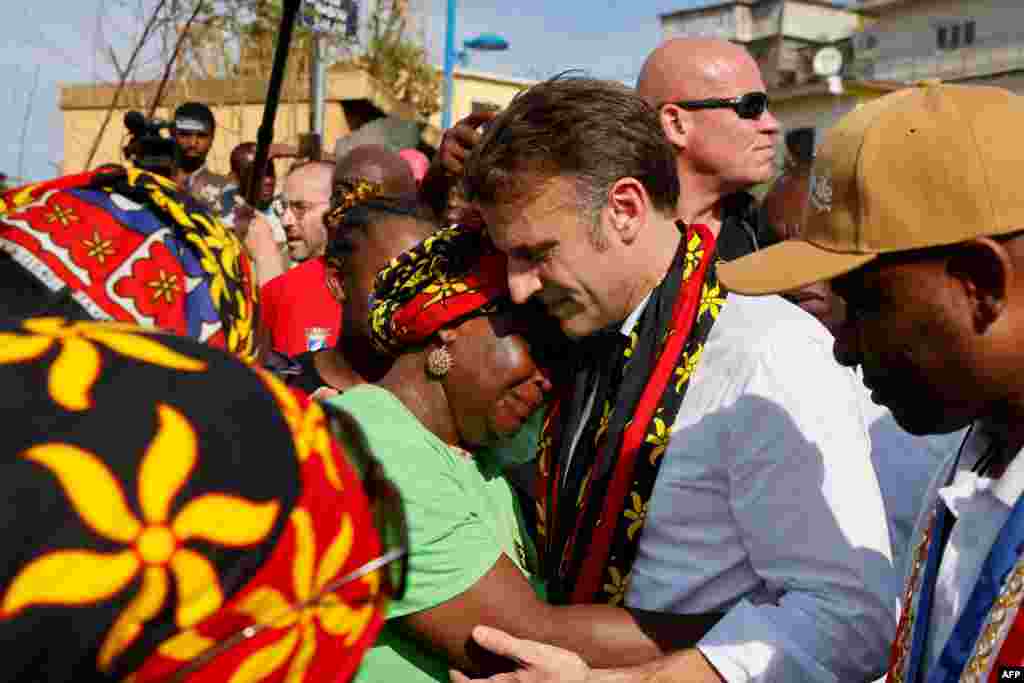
<point>174,57</point>
<point>122,79</point>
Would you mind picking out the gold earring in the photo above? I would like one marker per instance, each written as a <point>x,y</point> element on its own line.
<point>439,362</point>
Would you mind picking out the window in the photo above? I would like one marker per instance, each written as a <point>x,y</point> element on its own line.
<point>955,35</point>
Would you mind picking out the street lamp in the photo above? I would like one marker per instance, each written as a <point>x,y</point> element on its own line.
<point>488,42</point>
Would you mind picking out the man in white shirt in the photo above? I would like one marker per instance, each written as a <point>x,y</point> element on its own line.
<point>904,463</point>
<point>916,217</point>
<point>736,480</point>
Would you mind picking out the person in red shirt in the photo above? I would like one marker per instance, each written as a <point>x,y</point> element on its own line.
<point>298,309</point>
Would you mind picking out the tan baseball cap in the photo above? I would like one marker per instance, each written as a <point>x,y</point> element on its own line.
<point>920,167</point>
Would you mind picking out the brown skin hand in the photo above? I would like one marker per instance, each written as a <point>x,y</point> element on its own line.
<point>448,164</point>
<point>603,636</point>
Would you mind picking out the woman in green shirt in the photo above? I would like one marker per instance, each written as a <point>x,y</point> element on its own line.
<point>464,381</point>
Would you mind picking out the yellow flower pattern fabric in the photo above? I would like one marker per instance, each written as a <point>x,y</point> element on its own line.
<point>153,543</point>
<point>613,493</point>
<point>130,246</point>
<point>454,274</point>
<point>157,484</point>
<point>77,365</point>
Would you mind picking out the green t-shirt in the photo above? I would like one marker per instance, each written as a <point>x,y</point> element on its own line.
<point>462,515</point>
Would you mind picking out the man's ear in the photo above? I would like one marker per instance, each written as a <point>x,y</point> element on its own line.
<point>676,123</point>
<point>985,272</point>
<point>334,285</point>
<point>629,206</point>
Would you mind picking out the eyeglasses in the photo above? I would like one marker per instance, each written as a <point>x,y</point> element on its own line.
<point>389,520</point>
<point>299,208</point>
<point>749,106</point>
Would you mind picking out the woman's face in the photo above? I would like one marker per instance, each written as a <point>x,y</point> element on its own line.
<point>494,384</point>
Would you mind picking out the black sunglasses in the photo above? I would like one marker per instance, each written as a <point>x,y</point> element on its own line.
<point>389,520</point>
<point>749,106</point>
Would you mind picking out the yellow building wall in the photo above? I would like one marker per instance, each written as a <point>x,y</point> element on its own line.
<point>235,124</point>
<point>469,87</point>
<point>83,112</point>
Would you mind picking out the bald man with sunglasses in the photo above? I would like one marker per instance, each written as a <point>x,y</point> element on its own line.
<point>714,111</point>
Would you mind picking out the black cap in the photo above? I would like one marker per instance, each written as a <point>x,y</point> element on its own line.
<point>194,116</point>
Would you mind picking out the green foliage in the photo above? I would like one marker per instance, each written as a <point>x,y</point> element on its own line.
<point>400,63</point>
<point>231,38</point>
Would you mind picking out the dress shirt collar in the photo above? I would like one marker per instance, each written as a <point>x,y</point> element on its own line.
<point>966,484</point>
<point>633,318</point>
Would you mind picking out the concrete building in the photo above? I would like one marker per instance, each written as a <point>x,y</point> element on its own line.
<point>352,99</point>
<point>784,36</point>
<point>967,41</point>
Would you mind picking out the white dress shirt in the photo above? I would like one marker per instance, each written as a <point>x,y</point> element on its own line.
<point>767,507</point>
<point>980,506</point>
<point>905,465</point>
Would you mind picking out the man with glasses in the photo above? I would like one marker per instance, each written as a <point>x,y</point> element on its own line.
<point>714,111</point>
<point>298,309</point>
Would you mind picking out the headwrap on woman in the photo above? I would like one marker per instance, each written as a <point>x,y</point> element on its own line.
<point>357,204</point>
<point>164,501</point>
<point>347,193</point>
<point>453,275</point>
<point>128,245</point>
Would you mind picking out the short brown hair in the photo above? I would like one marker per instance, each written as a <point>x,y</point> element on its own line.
<point>597,131</point>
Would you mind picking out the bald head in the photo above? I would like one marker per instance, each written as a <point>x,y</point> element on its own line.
<point>379,164</point>
<point>691,68</point>
<point>315,174</point>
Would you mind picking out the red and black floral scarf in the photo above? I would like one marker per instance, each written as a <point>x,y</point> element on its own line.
<point>589,524</point>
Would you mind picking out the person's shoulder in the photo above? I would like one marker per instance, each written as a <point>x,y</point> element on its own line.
<point>765,320</point>
<point>301,275</point>
<point>389,426</point>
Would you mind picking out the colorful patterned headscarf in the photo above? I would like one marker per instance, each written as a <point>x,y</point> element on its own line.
<point>131,247</point>
<point>346,193</point>
<point>454,274</point>
<point>161,496</point>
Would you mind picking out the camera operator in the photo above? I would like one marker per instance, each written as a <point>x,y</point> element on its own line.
<point>147,149</point>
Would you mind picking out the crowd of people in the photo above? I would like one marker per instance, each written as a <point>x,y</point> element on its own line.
<point>565,403</point>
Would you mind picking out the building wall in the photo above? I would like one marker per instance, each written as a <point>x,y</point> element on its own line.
<point>484,89</point>
<point>820,111</point>
<point>83,110</point>
<point>817,24</point>
<point>715,22</point>
<point>235,124</point>
<point>765,19</point>
<point>906,45</point>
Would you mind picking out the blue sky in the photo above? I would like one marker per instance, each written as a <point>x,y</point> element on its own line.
<point>59,41</point>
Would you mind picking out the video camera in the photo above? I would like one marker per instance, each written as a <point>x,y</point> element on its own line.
<point>147,148</point>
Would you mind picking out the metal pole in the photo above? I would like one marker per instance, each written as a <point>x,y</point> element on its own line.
<point>265,135</point>
<point>316,86</point>
<point>449,67</point>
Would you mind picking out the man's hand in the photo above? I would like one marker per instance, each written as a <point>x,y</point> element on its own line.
<point>538,663</point>
<point>263,250</point>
